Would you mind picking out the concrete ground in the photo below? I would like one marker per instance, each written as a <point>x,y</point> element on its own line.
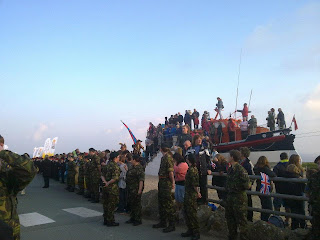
<point>54,213</point>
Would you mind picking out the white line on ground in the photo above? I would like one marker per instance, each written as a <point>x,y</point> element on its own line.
<point>83,212</point>
<point>33,219</point>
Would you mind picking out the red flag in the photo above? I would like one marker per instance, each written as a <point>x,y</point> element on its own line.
<point>295,123</point>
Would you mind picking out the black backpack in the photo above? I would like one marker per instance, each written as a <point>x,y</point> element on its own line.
<point>276,221</point>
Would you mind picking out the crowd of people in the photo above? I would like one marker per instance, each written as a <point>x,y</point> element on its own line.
<point>186,172</point>
<point>117,180</point>
<point>173,130</point>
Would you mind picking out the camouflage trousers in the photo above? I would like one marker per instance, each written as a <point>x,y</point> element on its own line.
<point>134,201</point>
<point>81,181</point>
<point>71,180</point>
<point>88,183</point>
<point>165,201</point>
<point>315,232</point>
<point>95,181</point>
<point>236,215</point>
<point>15,225</point>
<point>190,209</point>
<point>11,218</point>
<point>110,202</point>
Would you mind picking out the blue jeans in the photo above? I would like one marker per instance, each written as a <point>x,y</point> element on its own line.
<point>179,193</point>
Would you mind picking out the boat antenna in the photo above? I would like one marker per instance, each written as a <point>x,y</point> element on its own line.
<point>238,84</point>
<point>235,114</point>
<point>250,99</point>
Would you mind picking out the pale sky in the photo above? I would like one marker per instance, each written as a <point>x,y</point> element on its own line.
<point>74,69</point>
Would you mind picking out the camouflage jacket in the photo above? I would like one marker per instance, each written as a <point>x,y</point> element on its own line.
<point>87,167</point>
<point>237,179</point>
<point>134,176</point>
<point>112,171</point>
<point>72,168</point>
<point>81,166</point>
<point>313,189</point>
<point>95,163</point>
<point>192,180</point>
<point>16,172</point>
<point>166,166</point>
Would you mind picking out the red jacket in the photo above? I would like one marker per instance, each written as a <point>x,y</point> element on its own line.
<point>245,111</point>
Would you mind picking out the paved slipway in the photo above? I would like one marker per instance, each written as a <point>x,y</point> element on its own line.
<point>57,214</point>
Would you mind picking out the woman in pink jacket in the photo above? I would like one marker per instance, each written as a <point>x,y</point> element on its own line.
<point>180,171</point>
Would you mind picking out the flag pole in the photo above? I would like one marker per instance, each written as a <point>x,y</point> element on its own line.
<point>292,120</point>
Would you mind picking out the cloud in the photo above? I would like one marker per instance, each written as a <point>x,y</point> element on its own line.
<point>294,38</point>
<point>107,131</point>
<point>313,101</point>
<point>262,38</point>
<point>38,134</point>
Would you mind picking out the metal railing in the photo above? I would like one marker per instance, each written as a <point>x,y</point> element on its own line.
<point>276,195</point>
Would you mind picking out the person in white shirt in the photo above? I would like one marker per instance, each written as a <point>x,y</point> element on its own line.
<point>122,185</point>
<point>244,129</point>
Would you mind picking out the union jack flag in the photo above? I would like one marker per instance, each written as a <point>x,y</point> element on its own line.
<point>265,184</point>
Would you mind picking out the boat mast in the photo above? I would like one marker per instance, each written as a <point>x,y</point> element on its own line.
<point>235,113</point>
<point>238,84</point>
<point>250,100</point>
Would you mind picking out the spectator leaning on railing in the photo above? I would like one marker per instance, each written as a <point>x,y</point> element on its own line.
<point>263,166</point>
<point>221,166</point>
<point>280,171</point>
<point>295,170</point>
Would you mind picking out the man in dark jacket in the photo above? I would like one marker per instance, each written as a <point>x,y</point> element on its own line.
<point>246,163</point>
<point>280,119</point>
<point>195,117</point>
<point>184,136</point>
<point>220,132</point>
<point>180,118</point>
<point>46,171</point>
<point>280,170</point>
<point>204,167</point>
<point>187,119</point>
<point>62,167</point>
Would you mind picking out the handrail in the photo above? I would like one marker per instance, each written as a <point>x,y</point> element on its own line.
<point>277,195</point>
<point>293,215</point>
<point>274,179</point>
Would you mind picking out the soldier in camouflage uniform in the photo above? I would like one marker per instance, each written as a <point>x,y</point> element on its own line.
<point>87,176</point>
<point>237,200</point>
<point>192,193</point>
<point>16,172</point>
<point>165,186</point>
<point>313,192</point>
<point>110,192</point>
<point>81,163</point>
<point>71,174</point>
<point>135,182</point>
<point>95,175</point>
